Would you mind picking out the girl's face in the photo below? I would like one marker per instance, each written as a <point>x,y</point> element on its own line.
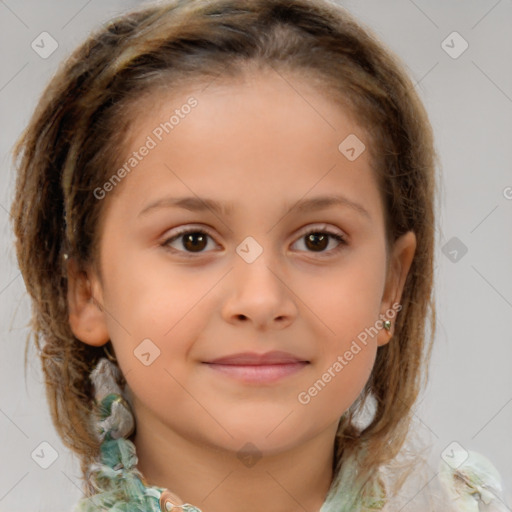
<point>243,227</point>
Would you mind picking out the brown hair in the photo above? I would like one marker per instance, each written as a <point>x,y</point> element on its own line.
<point>76,136</point>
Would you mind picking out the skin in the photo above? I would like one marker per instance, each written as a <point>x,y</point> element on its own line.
<point>262,146</point>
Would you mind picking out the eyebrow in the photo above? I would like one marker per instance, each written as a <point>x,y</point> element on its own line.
<point>197,204</point>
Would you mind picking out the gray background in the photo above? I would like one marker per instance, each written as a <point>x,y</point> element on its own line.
<point>469,100</point>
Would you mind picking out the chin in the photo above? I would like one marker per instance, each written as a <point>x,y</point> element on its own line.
<point>266,438</point>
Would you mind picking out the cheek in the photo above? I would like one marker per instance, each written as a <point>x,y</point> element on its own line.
<point>340,378</point>
<point>156,309</point>
<point>349,299</point>
<point>349,311</point>
<point>150,293</point>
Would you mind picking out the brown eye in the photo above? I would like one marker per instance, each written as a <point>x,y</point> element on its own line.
<point>195,241</point>
<point>188,241</point>
<point>318,241</point>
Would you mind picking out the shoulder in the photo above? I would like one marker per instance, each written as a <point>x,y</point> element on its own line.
<point>465,481</point>
<point>471,481</point>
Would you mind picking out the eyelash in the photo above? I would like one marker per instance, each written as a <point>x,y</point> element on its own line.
<point>185,231</point>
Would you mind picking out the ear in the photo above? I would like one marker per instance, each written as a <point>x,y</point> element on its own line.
<point>400,261</point>
<point>86,315</point>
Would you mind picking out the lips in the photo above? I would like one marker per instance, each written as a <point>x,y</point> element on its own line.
<point>254,359</point>
<point>252,368</point>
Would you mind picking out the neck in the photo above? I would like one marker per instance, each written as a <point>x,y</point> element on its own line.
<point>217,480</point>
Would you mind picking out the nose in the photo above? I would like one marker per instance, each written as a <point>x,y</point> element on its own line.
<point>259,294</point>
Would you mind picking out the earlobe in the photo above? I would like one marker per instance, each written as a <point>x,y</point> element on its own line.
<point>86,316</point>
<point>401,257</point>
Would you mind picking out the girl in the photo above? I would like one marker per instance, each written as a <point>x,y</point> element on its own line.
<point>225,218</point>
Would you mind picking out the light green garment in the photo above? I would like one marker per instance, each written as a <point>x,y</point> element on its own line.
<point>468,478</point>
<point>121,487</point>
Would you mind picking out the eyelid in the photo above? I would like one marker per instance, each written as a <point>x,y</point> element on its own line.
<point>187,228</point>
<point>313,228</point>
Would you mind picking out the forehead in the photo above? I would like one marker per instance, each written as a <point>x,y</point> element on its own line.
<point>259,136</point>
<point>255,98</point>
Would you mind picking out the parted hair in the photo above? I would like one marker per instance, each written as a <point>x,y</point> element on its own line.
<point>79,129</point>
